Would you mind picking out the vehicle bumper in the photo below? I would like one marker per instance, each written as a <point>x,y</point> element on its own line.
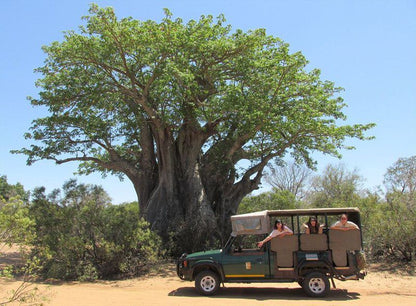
<point>182,268</point>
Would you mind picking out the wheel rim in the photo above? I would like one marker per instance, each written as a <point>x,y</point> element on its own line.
<point>317,285</point>
<point>208,283</point>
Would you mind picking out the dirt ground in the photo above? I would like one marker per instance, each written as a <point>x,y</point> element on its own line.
<point>165,288</point>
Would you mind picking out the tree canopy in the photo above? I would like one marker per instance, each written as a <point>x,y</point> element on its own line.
<point>190,112</point>
<point>8,191</point>
<point>336,187</point>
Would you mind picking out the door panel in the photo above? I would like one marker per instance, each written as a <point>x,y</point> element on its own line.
<point>245,263</point>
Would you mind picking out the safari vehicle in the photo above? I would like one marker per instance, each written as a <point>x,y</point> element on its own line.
<point>312,260</point>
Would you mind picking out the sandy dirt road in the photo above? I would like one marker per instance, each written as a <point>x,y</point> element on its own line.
<point>165,288</point>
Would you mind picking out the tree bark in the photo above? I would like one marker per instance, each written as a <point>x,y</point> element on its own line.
<point>178,204</point>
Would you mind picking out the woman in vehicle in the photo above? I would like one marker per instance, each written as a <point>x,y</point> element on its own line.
<point>279,230</point>
<point>344,225</point>
<point>312,226</point>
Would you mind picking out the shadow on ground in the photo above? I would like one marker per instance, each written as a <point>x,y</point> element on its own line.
<point>264,294</point>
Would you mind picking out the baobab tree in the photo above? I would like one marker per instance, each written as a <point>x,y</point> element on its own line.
<point>176,107</point>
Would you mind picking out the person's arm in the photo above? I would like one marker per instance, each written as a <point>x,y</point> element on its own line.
<point>287,232</point>
<point>307,231</point>
<point>336,226</point>
<point>351,226</point>
<point>345,228</point>
<point>339,228</point>
<point>260,244</point>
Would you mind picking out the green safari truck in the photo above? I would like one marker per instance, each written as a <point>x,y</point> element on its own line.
<point>312,260</point>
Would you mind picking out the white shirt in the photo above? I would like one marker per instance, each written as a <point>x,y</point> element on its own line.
<point>276,232</point>
<point>349,224</point>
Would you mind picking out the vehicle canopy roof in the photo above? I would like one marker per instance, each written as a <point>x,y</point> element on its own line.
<point>259,222</point>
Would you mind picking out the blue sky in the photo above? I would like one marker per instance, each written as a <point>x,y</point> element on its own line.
<point>367,47</point>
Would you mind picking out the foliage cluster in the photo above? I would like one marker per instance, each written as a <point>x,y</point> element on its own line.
<point>391,229</point>
<point>277,199</point>
<point>8,191</point>
<point>17,228</point>
<point>80,235</point>
<point>392,222</point>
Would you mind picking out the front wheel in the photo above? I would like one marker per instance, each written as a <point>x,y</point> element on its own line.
<point>207,282</point>
<point>316,284</point>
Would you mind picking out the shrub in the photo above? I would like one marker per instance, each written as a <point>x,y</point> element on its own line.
<point>84,237</point>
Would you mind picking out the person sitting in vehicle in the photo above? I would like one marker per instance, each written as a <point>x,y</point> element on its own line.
<point>312,226</point>
<point>279,230</point>
<point>344,225</point>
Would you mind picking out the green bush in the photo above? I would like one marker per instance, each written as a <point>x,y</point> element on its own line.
<point>82,236</point>
<point>273,200</point>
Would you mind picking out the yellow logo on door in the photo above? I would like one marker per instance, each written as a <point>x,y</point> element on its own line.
<point>248,265</point>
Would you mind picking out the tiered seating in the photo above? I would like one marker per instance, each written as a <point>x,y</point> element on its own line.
<point>342,241</point>
<point>284,248</point>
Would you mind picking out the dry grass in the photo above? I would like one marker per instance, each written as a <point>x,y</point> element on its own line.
<point>400,268</point>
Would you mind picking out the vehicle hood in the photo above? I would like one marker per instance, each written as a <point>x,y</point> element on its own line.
<point>204,254</point>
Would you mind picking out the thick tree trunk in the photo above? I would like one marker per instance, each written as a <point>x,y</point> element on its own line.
<point>181,212</point>
<point>163,207</point>
<point>189,200</point>
<point>226,202</point>
<point>224,192</point>
<point>178,208</point>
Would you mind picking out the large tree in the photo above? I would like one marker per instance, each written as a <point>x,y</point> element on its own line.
<point>401,178</point>
<point>190,112</point>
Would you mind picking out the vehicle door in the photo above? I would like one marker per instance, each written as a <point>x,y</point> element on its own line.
<point>243,260</point>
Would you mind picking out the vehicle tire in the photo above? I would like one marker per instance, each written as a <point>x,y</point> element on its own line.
<point>207,282</point>
<point>316,284</point>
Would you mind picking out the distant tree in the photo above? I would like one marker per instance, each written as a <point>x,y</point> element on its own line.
<point>8,191</point>
<point>16,227</point>
<point>399,213</point>
<point>272,200</point>
<point>400,181</point>
<point>335,187</point>
<point>389,224</point>
<point>175,107</point>
<point>398,238</point>
<point>402,175</point>
<point>289,176</point>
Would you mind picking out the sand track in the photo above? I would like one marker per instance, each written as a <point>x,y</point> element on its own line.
<point>165,288</point>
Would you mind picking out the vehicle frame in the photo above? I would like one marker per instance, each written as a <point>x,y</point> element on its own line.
<point>312,260</point>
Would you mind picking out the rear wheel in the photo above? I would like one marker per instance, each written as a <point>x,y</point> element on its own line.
<point>207,282</point>
<point>316,284</point>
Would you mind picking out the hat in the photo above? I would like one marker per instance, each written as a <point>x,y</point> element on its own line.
<point>313,219</point>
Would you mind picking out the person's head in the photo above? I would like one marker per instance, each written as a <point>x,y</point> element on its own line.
<point>278,224</point>
<point>344,219</point>
<point>313,222</point>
